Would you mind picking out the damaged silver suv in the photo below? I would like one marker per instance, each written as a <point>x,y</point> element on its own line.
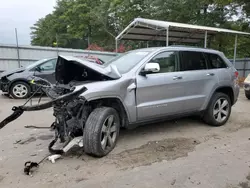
<point>93,101</point>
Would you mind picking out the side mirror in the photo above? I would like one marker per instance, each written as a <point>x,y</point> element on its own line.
<point>38,69</point>
<point>150,68</point>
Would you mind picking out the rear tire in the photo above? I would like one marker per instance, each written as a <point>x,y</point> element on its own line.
<point>247,94</point>
<point>101,131</point>
<point>218,110</point>
<point>20,90</point>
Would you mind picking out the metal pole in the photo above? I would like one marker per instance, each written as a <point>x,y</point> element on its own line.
<point>167,33</point>
<point>57,45</point>
<point>116,45</point>
<point>17,47</point>
<point>235,48</point>
<point>205,42</point>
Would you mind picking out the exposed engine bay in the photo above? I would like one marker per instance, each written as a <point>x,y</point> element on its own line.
<point>70,109</point>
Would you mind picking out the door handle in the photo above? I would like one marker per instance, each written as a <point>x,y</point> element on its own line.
<point>210,74</point>
<point>177,77</point>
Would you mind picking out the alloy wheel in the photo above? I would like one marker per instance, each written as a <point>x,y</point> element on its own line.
<point>221,110</point>
<point>108,132</point>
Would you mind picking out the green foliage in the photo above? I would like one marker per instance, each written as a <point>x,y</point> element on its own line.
<point>79,23</point>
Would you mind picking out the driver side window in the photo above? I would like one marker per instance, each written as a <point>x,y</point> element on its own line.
<point>167,62</point>
<point>49,65</point>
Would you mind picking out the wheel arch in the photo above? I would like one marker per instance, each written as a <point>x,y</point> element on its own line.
<point>113,102</point>
<point>228,90</point>
<point>18,80</point>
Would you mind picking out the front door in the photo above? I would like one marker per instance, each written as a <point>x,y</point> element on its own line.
<point>47,71</point>
<point>160,94</point>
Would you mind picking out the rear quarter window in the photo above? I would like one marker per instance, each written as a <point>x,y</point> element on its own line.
<point>214,61</point>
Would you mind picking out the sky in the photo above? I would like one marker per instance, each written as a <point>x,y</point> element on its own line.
<point>21,14</point>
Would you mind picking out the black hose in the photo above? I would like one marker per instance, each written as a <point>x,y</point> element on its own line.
<point>17,113</point>
<point>54,151</point>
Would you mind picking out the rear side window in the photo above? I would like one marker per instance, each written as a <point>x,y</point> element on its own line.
<point>215,61</point>
<point>191,60</point>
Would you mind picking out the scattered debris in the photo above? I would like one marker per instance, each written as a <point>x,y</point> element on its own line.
<point>29,167</point>
<point>27,141</point>
<point>36,127</point>
<point>80,179</point>
<point>77,168</point>
<point>17,141</point>
<point>248,177</point>
<point>173,182</point>
<point>244,185</point>
<point>45,137</point>
<point>1,178</point>
<point>53,158</point>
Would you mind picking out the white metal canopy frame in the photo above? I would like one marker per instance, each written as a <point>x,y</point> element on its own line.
<point>155,30</point>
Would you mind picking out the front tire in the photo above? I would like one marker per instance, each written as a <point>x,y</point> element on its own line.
<point>20,90</point>
<point>219,110</point>
<point>101,131</point>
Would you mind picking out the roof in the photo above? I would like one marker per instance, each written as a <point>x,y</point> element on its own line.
<point>148,29</point>
<point>179,47</point>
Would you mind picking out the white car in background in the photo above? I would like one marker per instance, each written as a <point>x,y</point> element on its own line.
<point>246,86</point>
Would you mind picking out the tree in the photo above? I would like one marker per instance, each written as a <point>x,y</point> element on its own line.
<point>79,23</point>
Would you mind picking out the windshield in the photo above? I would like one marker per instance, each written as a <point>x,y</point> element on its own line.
<point>35,63</point>
<point>127,61</point>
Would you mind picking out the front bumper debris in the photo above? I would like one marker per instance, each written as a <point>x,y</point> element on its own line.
<point>18,111</point>
<point>4,85</point>
<point>69,111</point>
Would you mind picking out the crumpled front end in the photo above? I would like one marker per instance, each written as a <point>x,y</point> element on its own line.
<point>4,84</point>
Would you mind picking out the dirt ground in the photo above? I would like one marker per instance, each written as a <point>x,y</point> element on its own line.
<point>181,153</point>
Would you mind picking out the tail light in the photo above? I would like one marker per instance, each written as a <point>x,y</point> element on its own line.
<point>236,74</point>
<point>236,79</point>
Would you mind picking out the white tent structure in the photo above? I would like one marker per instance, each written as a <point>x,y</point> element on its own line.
<point>155,30</point>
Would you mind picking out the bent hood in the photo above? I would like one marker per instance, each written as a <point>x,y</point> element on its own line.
<point>63,61</point>
<point>10,72</point>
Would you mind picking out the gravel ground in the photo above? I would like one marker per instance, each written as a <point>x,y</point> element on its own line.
<point>180,153</point>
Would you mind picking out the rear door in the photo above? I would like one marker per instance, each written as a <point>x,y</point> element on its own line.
<point>47,70</point>
<point>198,80</point>
<point>160,94</point>
<point>217,65</point>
